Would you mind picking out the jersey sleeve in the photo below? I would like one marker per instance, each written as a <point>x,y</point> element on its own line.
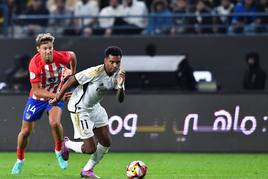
<point>86,76</point>
<point>34,73</point>
<point>65,57</point>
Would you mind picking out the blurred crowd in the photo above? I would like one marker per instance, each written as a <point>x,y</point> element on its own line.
<point>184,78</point>
<point>107,17</point>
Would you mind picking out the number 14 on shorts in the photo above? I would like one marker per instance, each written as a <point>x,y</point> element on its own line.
<point>31,108</point>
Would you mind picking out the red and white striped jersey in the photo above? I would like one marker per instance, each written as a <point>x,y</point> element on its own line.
<point>48,75</point>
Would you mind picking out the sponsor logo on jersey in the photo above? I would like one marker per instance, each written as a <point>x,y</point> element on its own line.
<point>52,80</point>
<point>60,69</point>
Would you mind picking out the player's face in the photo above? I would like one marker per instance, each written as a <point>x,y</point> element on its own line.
<point>46,52</point>
<point>112,64</point>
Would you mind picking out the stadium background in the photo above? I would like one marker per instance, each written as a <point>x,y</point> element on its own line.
<point>224,56</point>
<point>227,69</point>
<point>183,134</point>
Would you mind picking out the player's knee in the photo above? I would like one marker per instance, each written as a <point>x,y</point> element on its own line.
<point>54,124</point>
<point>89,149</point>
<point>106,142</point>
<point>25,132</point>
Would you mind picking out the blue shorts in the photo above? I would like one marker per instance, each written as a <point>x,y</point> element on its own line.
<point>35,108</point>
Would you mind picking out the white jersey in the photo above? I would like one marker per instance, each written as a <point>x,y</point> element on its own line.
<point>93,84</point>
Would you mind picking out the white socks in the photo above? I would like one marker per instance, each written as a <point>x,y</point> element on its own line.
<point>75,146</point>
<point>96,157</point>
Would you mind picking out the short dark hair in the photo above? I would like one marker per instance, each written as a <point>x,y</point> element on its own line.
<point>254,55</point>
<point>113,50</point>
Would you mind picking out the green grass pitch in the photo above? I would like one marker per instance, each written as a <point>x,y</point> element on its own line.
<point>160,165</point>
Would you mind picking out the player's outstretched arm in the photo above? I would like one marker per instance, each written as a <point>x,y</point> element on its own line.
<point>69,83</point>
<point>120,94</point>
<point>73,62</point>
<point>120,85</point>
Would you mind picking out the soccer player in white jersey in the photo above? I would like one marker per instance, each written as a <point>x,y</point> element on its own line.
<point>88,116</point>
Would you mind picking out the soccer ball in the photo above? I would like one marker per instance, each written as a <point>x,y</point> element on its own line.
<point>136,170</point>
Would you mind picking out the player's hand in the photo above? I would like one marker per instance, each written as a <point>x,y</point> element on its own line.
<point>121,77</point>
<point>53,101</point>
<point>66,73</point>
<point>67,96</point>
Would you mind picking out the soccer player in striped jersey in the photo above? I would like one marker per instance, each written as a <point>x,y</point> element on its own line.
<point>47,69</point>
<point>88,116</point>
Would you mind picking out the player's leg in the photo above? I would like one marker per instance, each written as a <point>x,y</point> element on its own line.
<point>101,131</point>
<point>87,146</point>
<point>32,112</point>
<point>103,146</point>
<point>23,137</point>
<point>55,113</point>
<point>56,127</point>
<point>83,129</point>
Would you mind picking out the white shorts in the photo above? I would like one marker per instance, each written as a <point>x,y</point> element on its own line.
<point>84,121</point>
